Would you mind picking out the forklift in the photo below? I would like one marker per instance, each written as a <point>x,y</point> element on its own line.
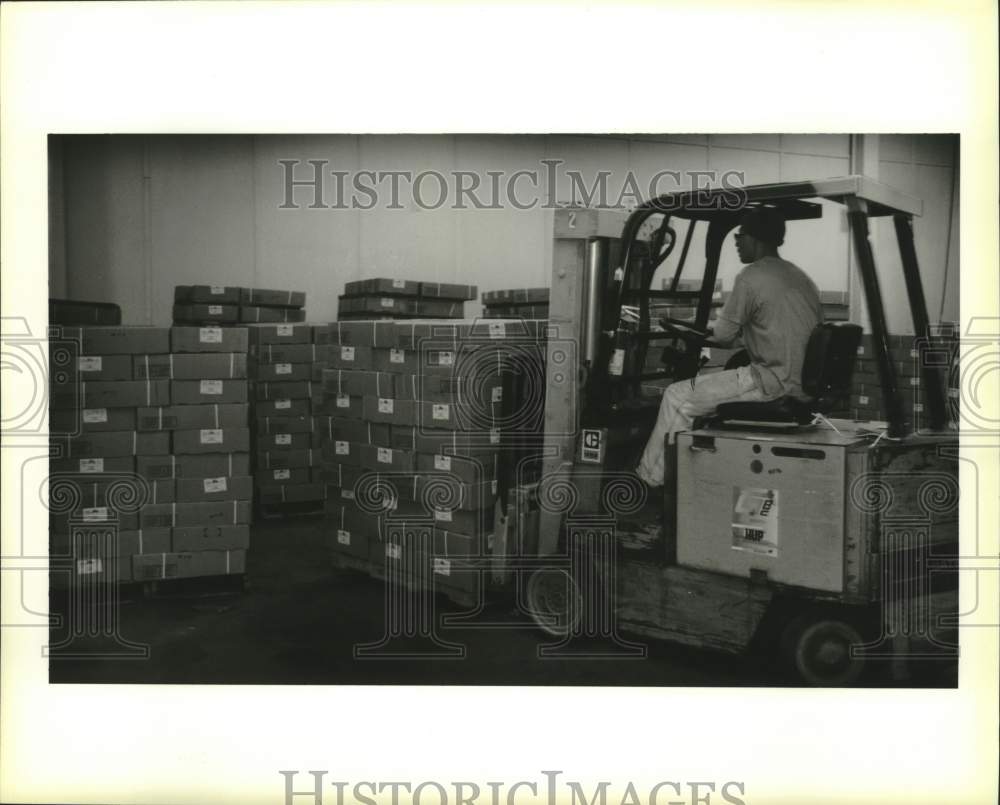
<point>829,542</point>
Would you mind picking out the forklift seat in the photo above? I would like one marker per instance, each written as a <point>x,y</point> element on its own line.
<point>826,378</point>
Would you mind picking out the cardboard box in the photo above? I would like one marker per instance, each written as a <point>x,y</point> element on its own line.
<point>269,425</point>
<point>210,538</point>
<point>207,339</point>
<point>378,305</point>
<point>382,285</point>
<point>321,334</point>
<point>399,545</point>
<point>480,393</point>
<point>362,333</point>
<point>287,459</point>
<point>395,359</point>
<point>282,407</point>
<point>192,366</point>
<point>93,517</point>
<point>355,430</point>
<point>288,353</point>
<point>340,476</point>
<point>284,441</point>
<point>289,493</point>
<point>259,314</point>
<point>341,451</point>
<point>389,411</point>
<point>209,465</point>
<point>128,492</point>
<point>385,459</point>
<point>457,417</point>
<point>461,496</point>
<point>176,515</point>
<point>214,391</point>
<point>90,367</point>
<point>119,340</point>
<point>67,421</point>
<point>359,383</point>
<point>287,475</point>
<point>350,357</point>
<point>161,566</point>
<point>189,417</point>
<point>282,372</point>
<point>263,334</point>
<point>445,290</point>
<point>92,466</point>
<point>480,470</point>
<point>100,541</point>
<point>207,294</point>
<point>222,487</point>
<point>446,442</point>
<point>199,314</point>
<point>293,390</point>
<point>342,406</point>
<point>272,298</point>
<point>433,308</point>
<point>524,296</point>
<point>349,529</point>
<point>211,440</point>
<point>116,443</point>
<point>113,394</point>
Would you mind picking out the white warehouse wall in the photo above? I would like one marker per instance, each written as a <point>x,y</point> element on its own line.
<point>132,216</point>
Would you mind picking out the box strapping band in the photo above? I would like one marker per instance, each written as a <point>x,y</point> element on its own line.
<point>374,331</point>
<point>156,486</point>
<point>83,391</point>
<point>232,364</point>
<point>343,511</point>
<point>230,463</point>
<point>135,444</point>
<point>234,508</point>
<point>171,358</point>
<point>140,541</point>
<point>227,562</point>
<point>159,417</point>
<point>173,466</point>
<point>283,488</point>
<point>369,424</point>
<point>173,515</point>
<point>163,565</point>
<point>149,392</point>
<point>145,360</point>
<point>413,386</point>
<point>95,495</point>
<point>329,427</point>
<point>216,407</point>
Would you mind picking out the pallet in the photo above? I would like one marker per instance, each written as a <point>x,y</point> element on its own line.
<point>192,587</point>
<point>353,564</point>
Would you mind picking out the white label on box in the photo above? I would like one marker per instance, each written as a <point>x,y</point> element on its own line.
<point>494,435</point>
<point>496,394</point>
<point>446,359</point>
<point>755,520</point>
<point>444,515</point>
<point>215,485</point>
<point>343,537</point>
<point>914,353</point>
<point>399,283</point>
<point>210,335</point>
<point>215,310</point>
<point>861,350</point>
<point>862,400</point>
<point>440,411</point>
<point>282,368</point>
<point>918,408</point>
<point>914,381</point>
<point>95,414</point>
<point>217,290</point>
<point>397,356</point>
<point>953,393</point>
<point>89,567</point>
<point>493,487</point>
<point>282,438</point>
<point>210,436</point>
<point>442,463</point>
<point>210,387</point>
<point>388,301</point>
<point>347,494</point>
<point>442,566</point>
<point>342,448</point>
<point>95,514</point>
<point>284,330</point>
<point>89,363</point>
<point>282,475</point>
<point>385,405</point>
<point>497,329</point>
<point>392,551</point>
<point>384,455</point>
<point>347,353</point>
<point>343,401</point>
<point>281,405</point>
<point>91,465</point>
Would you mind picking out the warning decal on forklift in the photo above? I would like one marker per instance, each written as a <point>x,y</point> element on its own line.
<point>755,520</point>
<point>590,447</point>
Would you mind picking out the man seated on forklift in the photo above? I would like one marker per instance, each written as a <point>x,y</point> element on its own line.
<point>774,307</point>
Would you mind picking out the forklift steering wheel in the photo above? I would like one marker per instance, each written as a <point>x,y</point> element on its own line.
<point>683,330</point>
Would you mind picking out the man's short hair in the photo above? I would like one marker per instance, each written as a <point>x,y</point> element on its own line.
<point>765,224</point>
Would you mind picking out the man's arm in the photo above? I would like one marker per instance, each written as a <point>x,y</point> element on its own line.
<point>733,316</point>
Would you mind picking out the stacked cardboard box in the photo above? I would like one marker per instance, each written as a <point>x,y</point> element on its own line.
<point>230,305</point>
<point>285,361</point>
<point>73,312</point>
<point>150,479</point>
<point>938,349</point>
<point>414,454</point>
<point>516,303</point>
<point>384,298</point>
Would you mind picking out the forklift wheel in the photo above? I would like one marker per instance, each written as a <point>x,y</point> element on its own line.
<point>554,601</point>
<point>820,651</point>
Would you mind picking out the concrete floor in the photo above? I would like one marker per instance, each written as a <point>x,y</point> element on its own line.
<point>299,622</point>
